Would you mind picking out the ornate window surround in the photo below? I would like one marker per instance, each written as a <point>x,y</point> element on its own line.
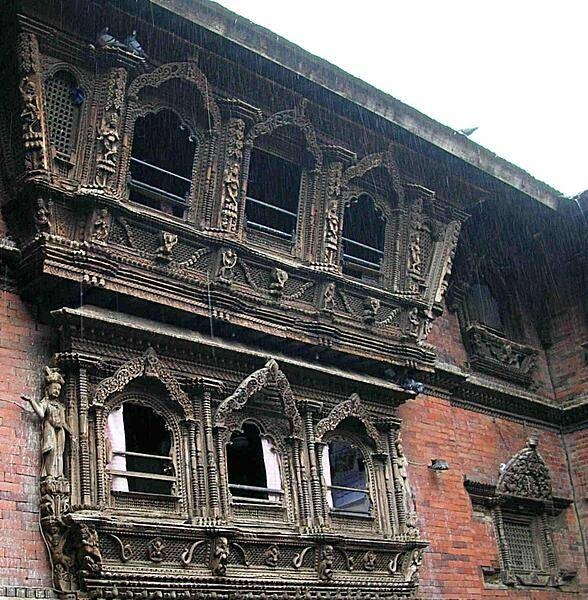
<point>200,194</point>
<point>523,496</point>
<point>309,181</point>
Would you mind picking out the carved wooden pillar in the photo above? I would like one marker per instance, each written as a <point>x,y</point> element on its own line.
<point>389,427</point>
<point>200,474</point>
<point>100,453</point>
<point>109,130</point>
<point>302,496</point>
<point>396,495</point>
<point>310,408</point>
<point>212,454</point>
<point>84,450</point>
<point>189,450</point>
<point>34,129</point>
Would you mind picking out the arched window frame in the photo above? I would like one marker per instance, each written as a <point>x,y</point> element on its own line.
<point>69,165</point>
<point>387,202</point>
<point>135,394</point>
<point>309,179</point>
<point>203,166</point>
<point>279,493</point>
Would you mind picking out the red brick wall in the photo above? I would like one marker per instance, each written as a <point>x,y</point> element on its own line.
<point>474,445</point>
<point>566,355</point>
<point>23,352</point>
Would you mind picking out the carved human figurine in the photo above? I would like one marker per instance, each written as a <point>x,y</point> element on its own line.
<point>100,226</point>
<point>331,234</point>
<point>41,216</point>
<point>228,262</point>
<point>220,556</point>
<point>325,569</point>
<point>168,243</point>
<point>52,411</point>
<point>400,468</point>
<point>231,198</point>
<point>329,296</point>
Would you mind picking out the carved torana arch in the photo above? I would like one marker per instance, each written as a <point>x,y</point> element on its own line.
<point>269,375</point>
<point>373,161</point>
<point>179,70</point>
<point>147,365</point>
<point>526,475</point>
<point>294,118</point>
<point>350,408</point>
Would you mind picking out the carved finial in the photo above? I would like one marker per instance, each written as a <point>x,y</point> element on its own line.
<point>533,442</point>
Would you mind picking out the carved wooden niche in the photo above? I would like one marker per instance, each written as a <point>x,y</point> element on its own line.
<point>258,432</point>
<point>282,163</point>
<point>65,93</point>
<point>483,293</point>
<point>142,439</point>
<point>352,459</point>
<point>522,506</point>
<point>169,135</point>
<point>361,236</point>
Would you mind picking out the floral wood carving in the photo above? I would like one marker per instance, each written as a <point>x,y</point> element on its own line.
<point>269,375</point>
<point>350,408</point>
<point>372,161</point>
<point>526,475</point>
<point>147,365</point>
<point>179,70</point>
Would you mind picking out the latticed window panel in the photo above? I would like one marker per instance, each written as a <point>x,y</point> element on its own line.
<point>61,112</point>
<point>521,546</point>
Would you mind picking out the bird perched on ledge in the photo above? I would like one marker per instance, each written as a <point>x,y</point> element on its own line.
<point>133,46</point>
<point>106,40</point>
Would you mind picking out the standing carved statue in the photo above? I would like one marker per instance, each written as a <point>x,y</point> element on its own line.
<point>41,216</point>
<point>108,137</point>
<point>31,124</point>
<point>401,475</point>
<point>168,243</point>
<point>230,206</point>
<point>52,411</point>
<point>329,296</point>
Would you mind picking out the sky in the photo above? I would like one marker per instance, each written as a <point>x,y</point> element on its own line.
<point>515,69</point>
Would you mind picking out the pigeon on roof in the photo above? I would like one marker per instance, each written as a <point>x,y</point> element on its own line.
<point>106,40</point>
<point>467,131</point>
<point>133,46</point>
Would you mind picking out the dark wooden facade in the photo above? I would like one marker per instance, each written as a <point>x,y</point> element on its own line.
<point>180,304</point>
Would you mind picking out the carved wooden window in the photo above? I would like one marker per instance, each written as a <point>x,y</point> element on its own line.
<point>63,113</point>
<point>344,470</point>
<point>253,466</point>
<point>523,539</point>
<point>363,238</point>
<point>273,189</point>
<point>139,450</point>
<point>162,159</point>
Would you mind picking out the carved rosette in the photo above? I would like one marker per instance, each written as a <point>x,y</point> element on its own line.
<point>108,134</point>
<point>229,207</point>
<point>34,130</point>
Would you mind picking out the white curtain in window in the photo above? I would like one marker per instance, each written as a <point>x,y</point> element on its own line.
<point>271,461</point>
<point>115,442</point>
<point>326,467</point>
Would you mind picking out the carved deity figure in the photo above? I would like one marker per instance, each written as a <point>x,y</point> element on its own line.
<point>228,262</point>
<point>331,234</point>
<point>52,411</point>
<point>369,560</point>
<point>89,557</point>
<point>229,211</point>
<point>220,556</point>
<point>31,124</point>
<point>100,226</point>
<point>108,137</point>
<point>41,216</point>
<point>325,568</point>
<point>329,297</point>
<point>155,551</point>
<point>168,243</point>
<point>271,556</point>
<point>371,306</point>
<point>412,573</point>
<point>401,475</point>
<point>278,278</point>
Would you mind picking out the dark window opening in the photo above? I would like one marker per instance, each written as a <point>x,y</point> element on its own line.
<point>273,188</point>
<point>363,238</point>
<point>140,447</point>
<point>161,163</point>
<point>348,482</point>
<point>250,465</point>
<point>484,307</point>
